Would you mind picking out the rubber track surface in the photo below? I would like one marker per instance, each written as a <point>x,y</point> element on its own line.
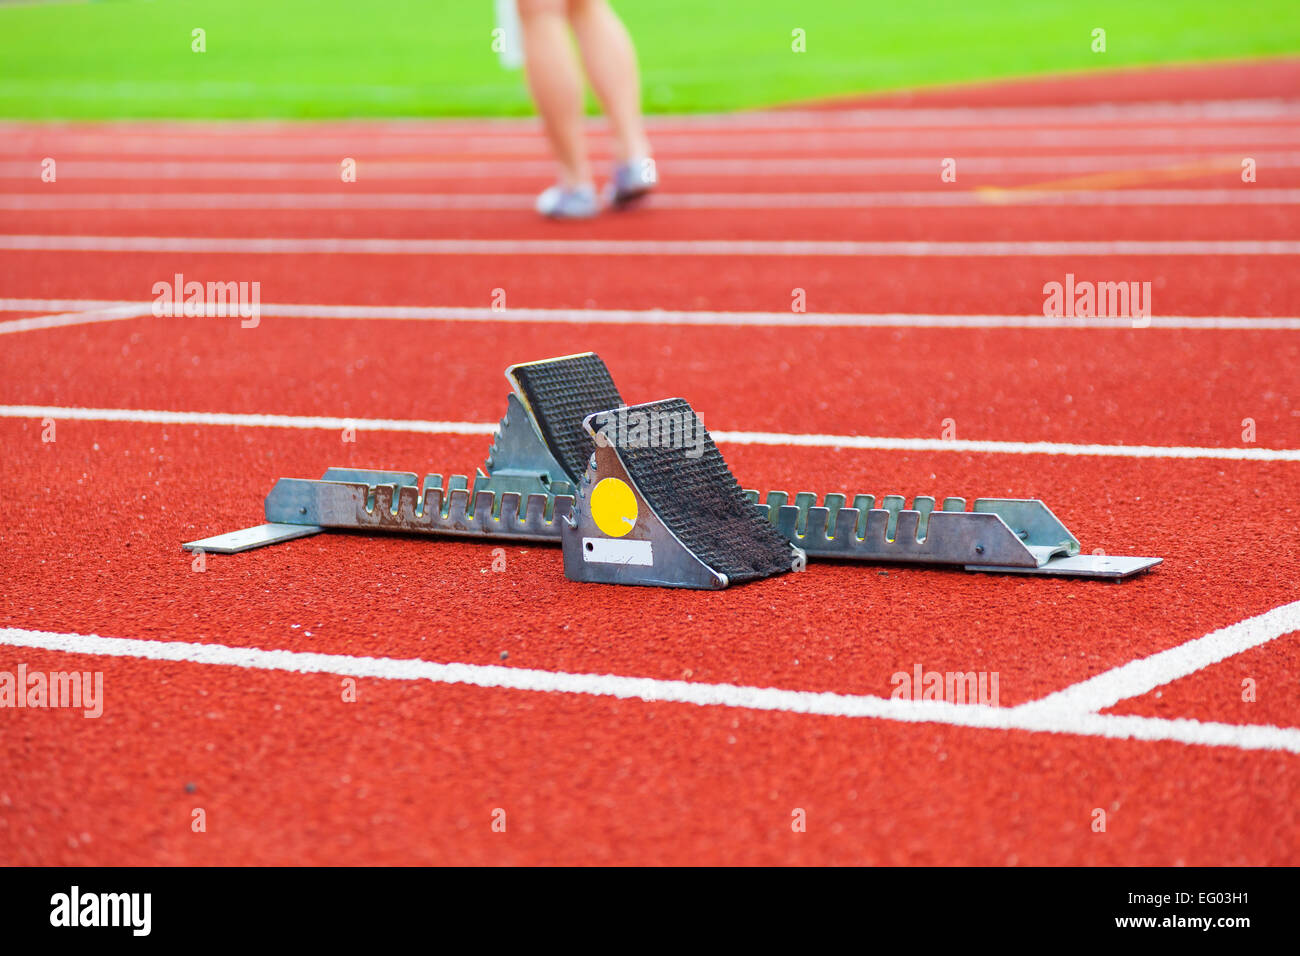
<point>293,767</point>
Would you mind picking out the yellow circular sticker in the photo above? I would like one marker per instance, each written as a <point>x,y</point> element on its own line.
<point>613,507</point>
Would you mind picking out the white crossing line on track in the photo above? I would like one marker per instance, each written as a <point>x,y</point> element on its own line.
<point>1142,676</point>
<point>112,313</point>
<point>1243,736</point>
<point>649,247</point>
<point>420,202</point>
<point>667,317</point>
<point>853,442</point>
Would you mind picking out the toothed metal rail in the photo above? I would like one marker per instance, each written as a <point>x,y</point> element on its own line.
<point>356,500</point>
<point>386,501</point>
<point>1000,534</point>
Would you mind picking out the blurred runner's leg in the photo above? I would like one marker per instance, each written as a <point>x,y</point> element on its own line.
<point>556,85</point>
<point>610,62</point>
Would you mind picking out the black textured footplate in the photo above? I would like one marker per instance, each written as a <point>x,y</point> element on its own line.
<point>559,393</point>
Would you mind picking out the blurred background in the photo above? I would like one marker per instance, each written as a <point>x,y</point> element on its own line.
<point>341,58</point>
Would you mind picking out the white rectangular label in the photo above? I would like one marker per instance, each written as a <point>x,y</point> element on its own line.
<point>618,551</point>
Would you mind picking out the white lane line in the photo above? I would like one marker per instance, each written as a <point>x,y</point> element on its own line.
<point>426,202</point>
<point>1142,676</point>
<point>108,314</point>
<point>647,247</point>
<point>448,167</point>
<point>1257,109</point>
<point>671,146</point>
<point>854,442</point>
<point>152,417</point>
<point>661,317</point>
<point>1263,108</point>
<point>1246,737</point>
<point>865,443</point>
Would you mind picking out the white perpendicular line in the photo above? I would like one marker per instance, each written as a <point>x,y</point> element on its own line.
<point>112,313</point>
<point>216,245</point>
<point>827,704</point>
<point>851,442</point>
<point>660,317</point>
<point>1142,676</point>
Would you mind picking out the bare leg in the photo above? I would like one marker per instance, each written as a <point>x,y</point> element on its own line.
<point>610,62</point>
<point>556,84</point>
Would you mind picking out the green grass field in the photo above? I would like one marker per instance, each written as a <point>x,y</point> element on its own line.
<point>316,58</point>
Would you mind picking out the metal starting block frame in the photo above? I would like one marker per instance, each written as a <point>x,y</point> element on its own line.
<point>525,492</point>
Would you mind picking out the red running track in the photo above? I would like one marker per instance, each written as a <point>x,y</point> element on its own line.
<point>412,771</point>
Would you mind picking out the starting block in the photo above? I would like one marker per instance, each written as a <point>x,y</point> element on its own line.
<point>649,512</point>
<point>645,515</point>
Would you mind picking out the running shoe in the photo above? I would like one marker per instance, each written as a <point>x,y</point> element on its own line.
<point>632,180</point>
<point>568,202</point>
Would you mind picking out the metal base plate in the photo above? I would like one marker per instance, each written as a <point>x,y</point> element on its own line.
<point>1112,566</point>
<point>233,542</point>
